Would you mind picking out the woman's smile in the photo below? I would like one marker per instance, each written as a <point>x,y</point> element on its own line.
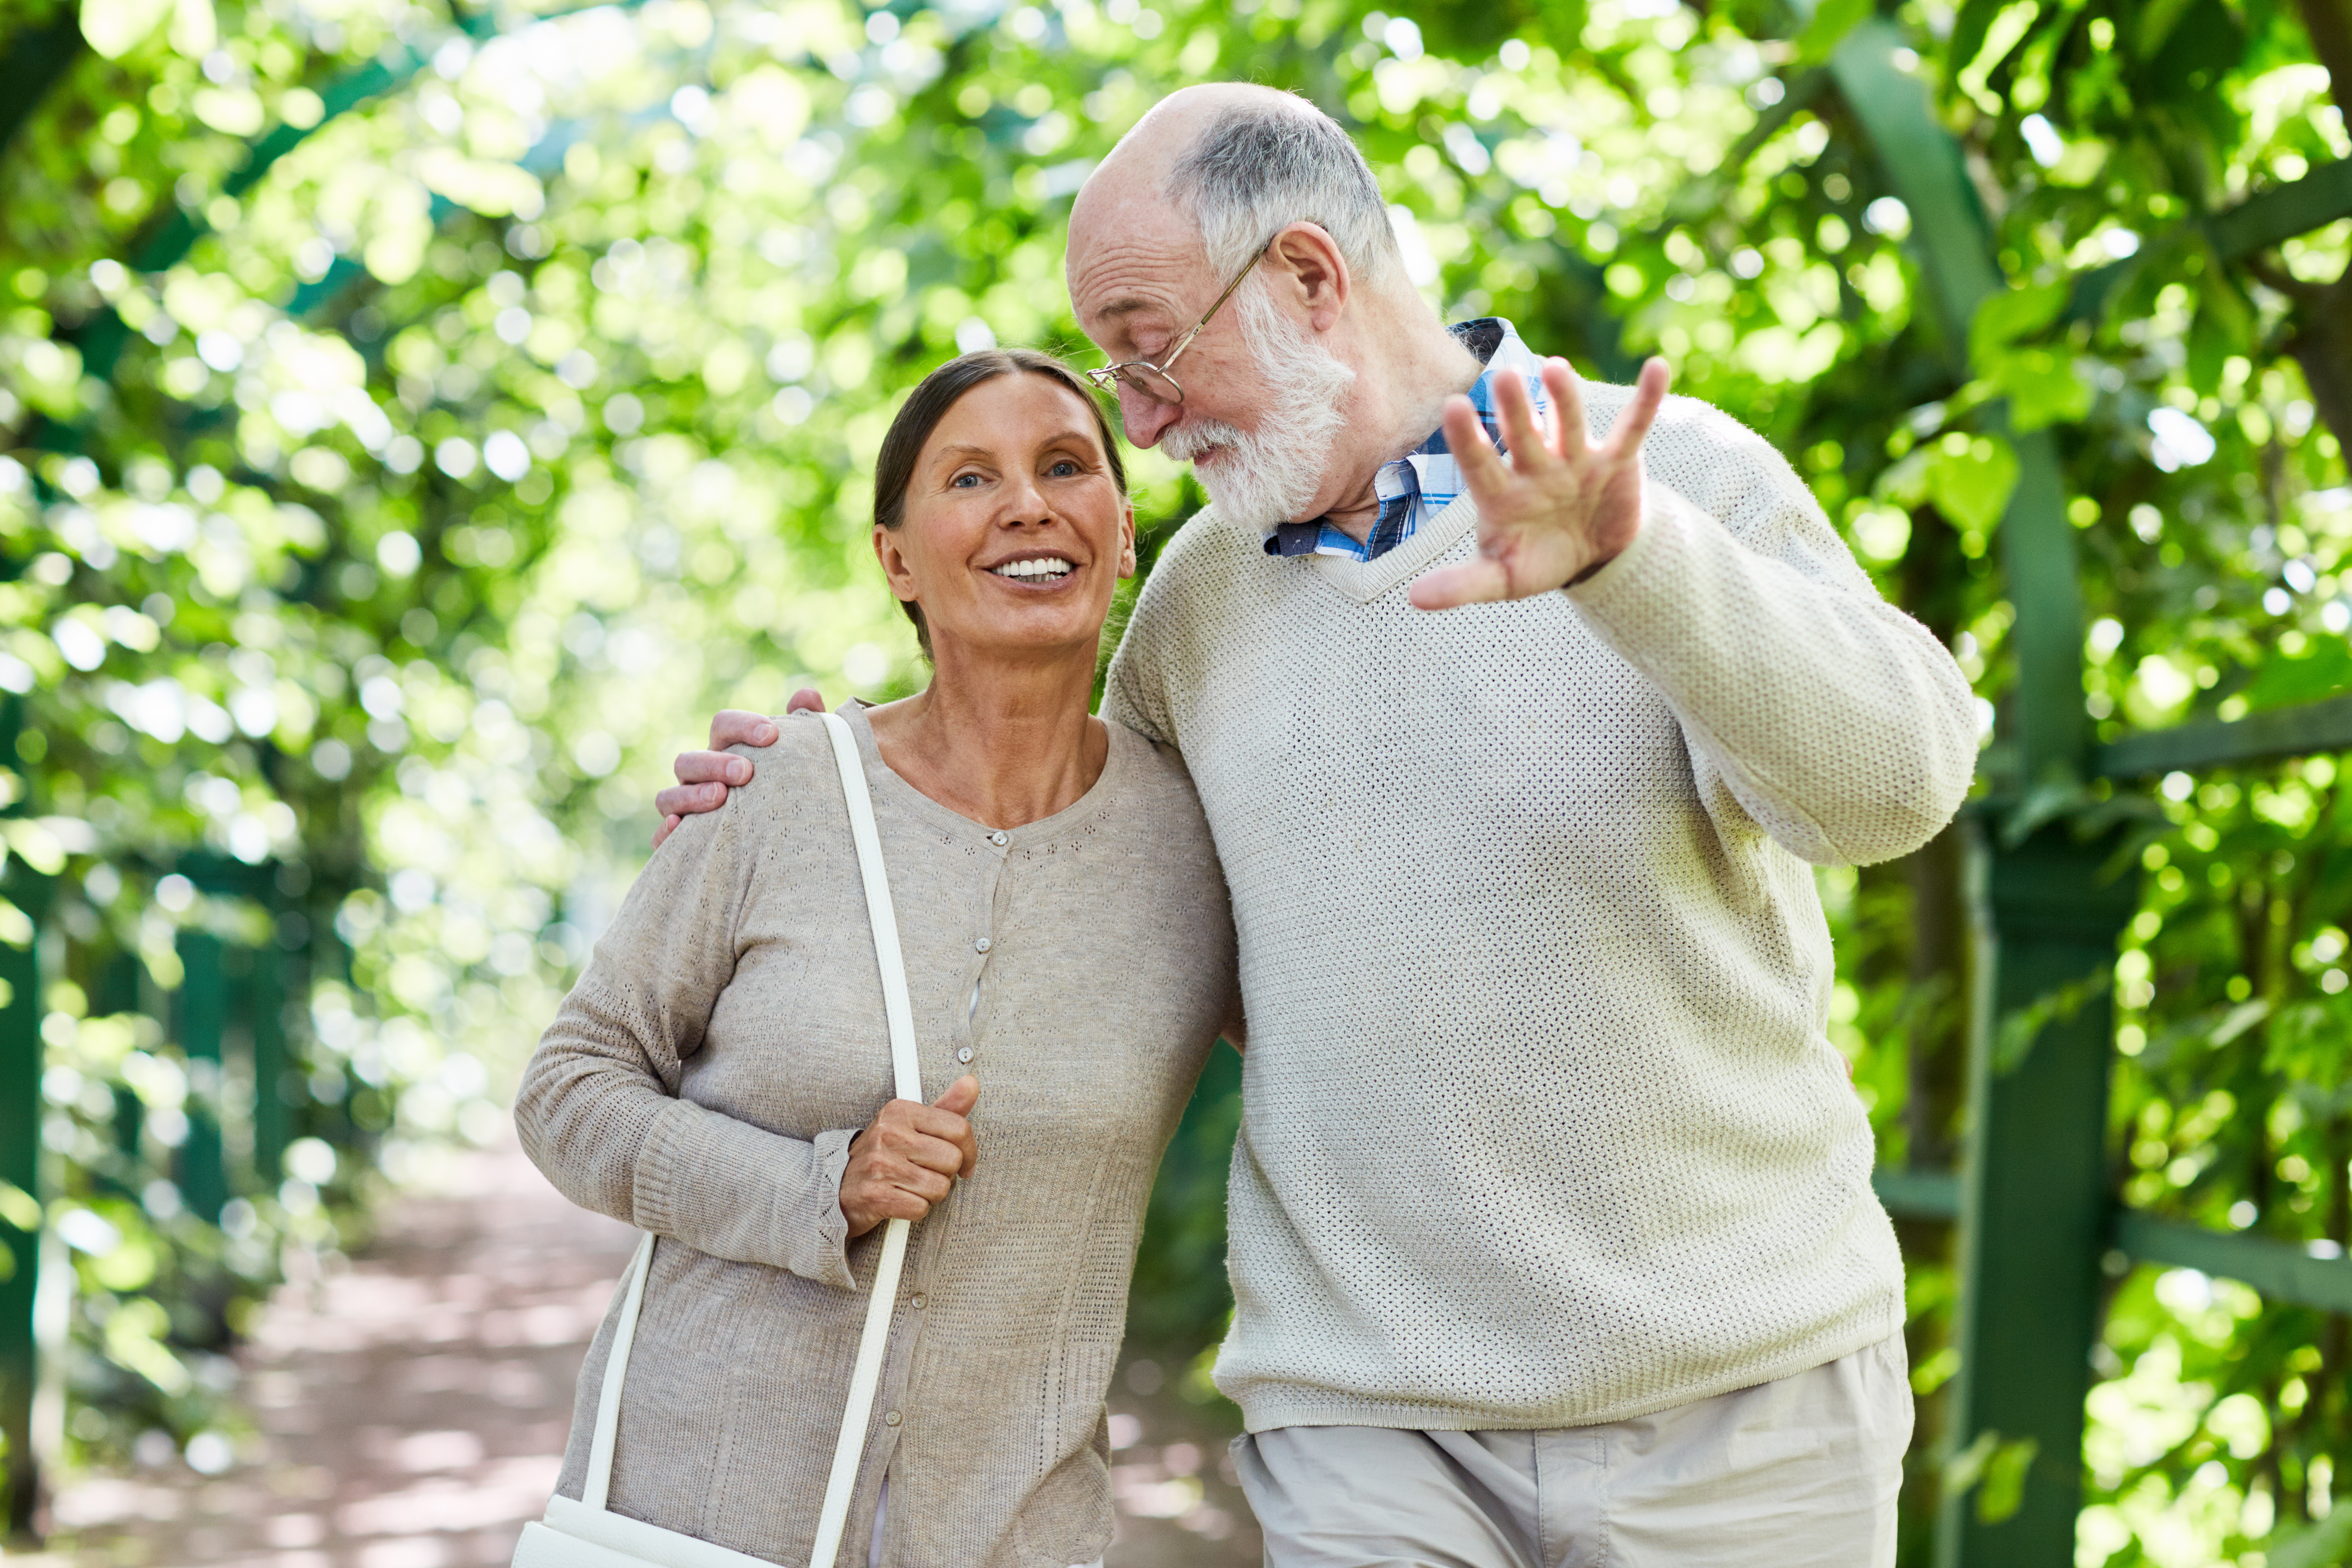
<point>1036,571</point>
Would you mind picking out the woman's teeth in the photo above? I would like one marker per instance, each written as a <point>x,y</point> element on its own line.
<point>1040,568</point>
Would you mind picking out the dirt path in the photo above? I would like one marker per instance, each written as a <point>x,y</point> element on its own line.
<point>410,1411</point>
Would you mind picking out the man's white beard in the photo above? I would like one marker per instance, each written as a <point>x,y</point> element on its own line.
<point>1269,474</point>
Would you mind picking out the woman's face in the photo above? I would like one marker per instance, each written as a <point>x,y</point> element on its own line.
<point>1015,533</point>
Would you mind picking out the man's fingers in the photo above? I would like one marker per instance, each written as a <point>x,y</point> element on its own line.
<point>1482,470</point>
<point>1517,412</point>
<point>733,726</point>
<point>710,767</point>
<point>807,700</point>
<point>1566,389</point>
<point>669,826</point>
<point>1649,394</point>
<point>1478,581</point>
<point>689,800</point>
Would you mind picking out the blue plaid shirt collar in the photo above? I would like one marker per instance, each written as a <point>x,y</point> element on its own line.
<point>1424,481</point>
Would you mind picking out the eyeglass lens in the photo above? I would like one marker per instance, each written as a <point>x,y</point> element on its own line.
<point>1150,381</point>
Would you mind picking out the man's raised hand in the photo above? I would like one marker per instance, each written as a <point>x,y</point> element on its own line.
<point>704,777</point>
<point>1557,507</point>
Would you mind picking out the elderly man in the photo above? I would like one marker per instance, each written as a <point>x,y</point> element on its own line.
<point>1552,1234</point>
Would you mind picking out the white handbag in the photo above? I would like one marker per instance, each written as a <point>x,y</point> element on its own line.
<point>586,1534</point>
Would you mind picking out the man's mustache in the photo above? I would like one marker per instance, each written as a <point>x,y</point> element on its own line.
<point>1186,442</point>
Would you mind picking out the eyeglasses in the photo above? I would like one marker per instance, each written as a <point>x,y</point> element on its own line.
<point>1153,380</point>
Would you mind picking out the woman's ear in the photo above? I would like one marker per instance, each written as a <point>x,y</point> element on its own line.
<point>894,569</point>
<point>1126,542</point>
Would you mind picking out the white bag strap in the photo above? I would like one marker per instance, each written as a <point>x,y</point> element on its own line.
<point>866,1376</point>
<point>851,1450</point>
<point>617,1366</point>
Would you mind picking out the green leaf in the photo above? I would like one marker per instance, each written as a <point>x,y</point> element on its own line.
<point>2043,386</point>
<point>2322,670</point>
<point>2007,318</point>
<point>1820,38</point>
<point>19,1208</point>
<point>1970,478</point>
<point>115,28</point>
<point>2014,1041</point>
<point>2156,21</point>
<point>2323,1545</point>
<point>2003,1488</point>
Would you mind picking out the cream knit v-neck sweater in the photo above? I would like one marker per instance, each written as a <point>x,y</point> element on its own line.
<point>1542,1123</point>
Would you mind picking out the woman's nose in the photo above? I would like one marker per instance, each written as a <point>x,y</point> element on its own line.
<point>1024,503</point>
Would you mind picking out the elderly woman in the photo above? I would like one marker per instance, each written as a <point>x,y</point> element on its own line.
<point>720,1077</point>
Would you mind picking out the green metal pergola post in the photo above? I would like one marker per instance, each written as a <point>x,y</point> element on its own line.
<point>20,1167</point>
<point>261,999</point>
<point>2034,1211</point>
<point>204,1018</point>
<point>2034,1208</point>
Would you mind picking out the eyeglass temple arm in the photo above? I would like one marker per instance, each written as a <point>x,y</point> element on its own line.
<point>1239,279</point>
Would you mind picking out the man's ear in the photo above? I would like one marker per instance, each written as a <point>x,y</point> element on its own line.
<point>1309,268</point>
<point>894,563</point>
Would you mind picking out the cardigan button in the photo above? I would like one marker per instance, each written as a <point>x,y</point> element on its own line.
<point>918,1300</point>
<point>982,945</point>
<point>964,1054</point>
<point>999,839</point>
<point>890,1419</point>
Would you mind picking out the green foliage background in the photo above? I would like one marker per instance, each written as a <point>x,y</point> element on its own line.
<point>418,419</point>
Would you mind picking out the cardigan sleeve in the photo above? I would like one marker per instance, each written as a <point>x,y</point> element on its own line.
<point>1831,720</point>
<point>599,1110</point>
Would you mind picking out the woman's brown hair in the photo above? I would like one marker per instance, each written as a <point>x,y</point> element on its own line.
<point>929,404</point>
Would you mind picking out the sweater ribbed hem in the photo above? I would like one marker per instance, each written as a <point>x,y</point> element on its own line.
<point>1270,1407</point>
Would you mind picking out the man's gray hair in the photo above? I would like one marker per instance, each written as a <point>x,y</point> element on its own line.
<point>1260,167</point>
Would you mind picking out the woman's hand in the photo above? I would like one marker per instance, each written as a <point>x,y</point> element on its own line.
<point>910,1159</point>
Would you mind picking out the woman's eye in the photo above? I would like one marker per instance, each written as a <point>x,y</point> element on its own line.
<point>963,481</point>
<point>1063,469</point>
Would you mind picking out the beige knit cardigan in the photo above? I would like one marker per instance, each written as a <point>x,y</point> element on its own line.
<point>706,1077</point>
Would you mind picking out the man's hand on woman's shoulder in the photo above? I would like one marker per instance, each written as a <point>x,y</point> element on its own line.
<point>705,777</point>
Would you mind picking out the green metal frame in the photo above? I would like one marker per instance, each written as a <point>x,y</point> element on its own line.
<point>2323,726</point>
<point>2033,1201</point>
<point>20,1166</point>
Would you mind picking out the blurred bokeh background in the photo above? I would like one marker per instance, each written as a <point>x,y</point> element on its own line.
<point>418,417</point>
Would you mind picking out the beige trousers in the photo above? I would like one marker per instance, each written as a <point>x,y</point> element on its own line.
<point>1797,1473</point>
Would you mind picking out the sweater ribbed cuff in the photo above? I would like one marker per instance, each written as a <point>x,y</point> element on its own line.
<point>830,1237</point>
<point>1647,573</point>
<point>699,1178</point>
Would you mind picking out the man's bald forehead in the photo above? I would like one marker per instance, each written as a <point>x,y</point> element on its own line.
<point>1151,149</point>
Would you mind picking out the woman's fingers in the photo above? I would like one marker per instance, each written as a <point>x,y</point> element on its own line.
<point>910,1159</point>
<point>936,1137</point>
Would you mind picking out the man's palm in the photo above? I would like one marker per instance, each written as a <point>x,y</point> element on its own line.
<point>1560,507</point>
